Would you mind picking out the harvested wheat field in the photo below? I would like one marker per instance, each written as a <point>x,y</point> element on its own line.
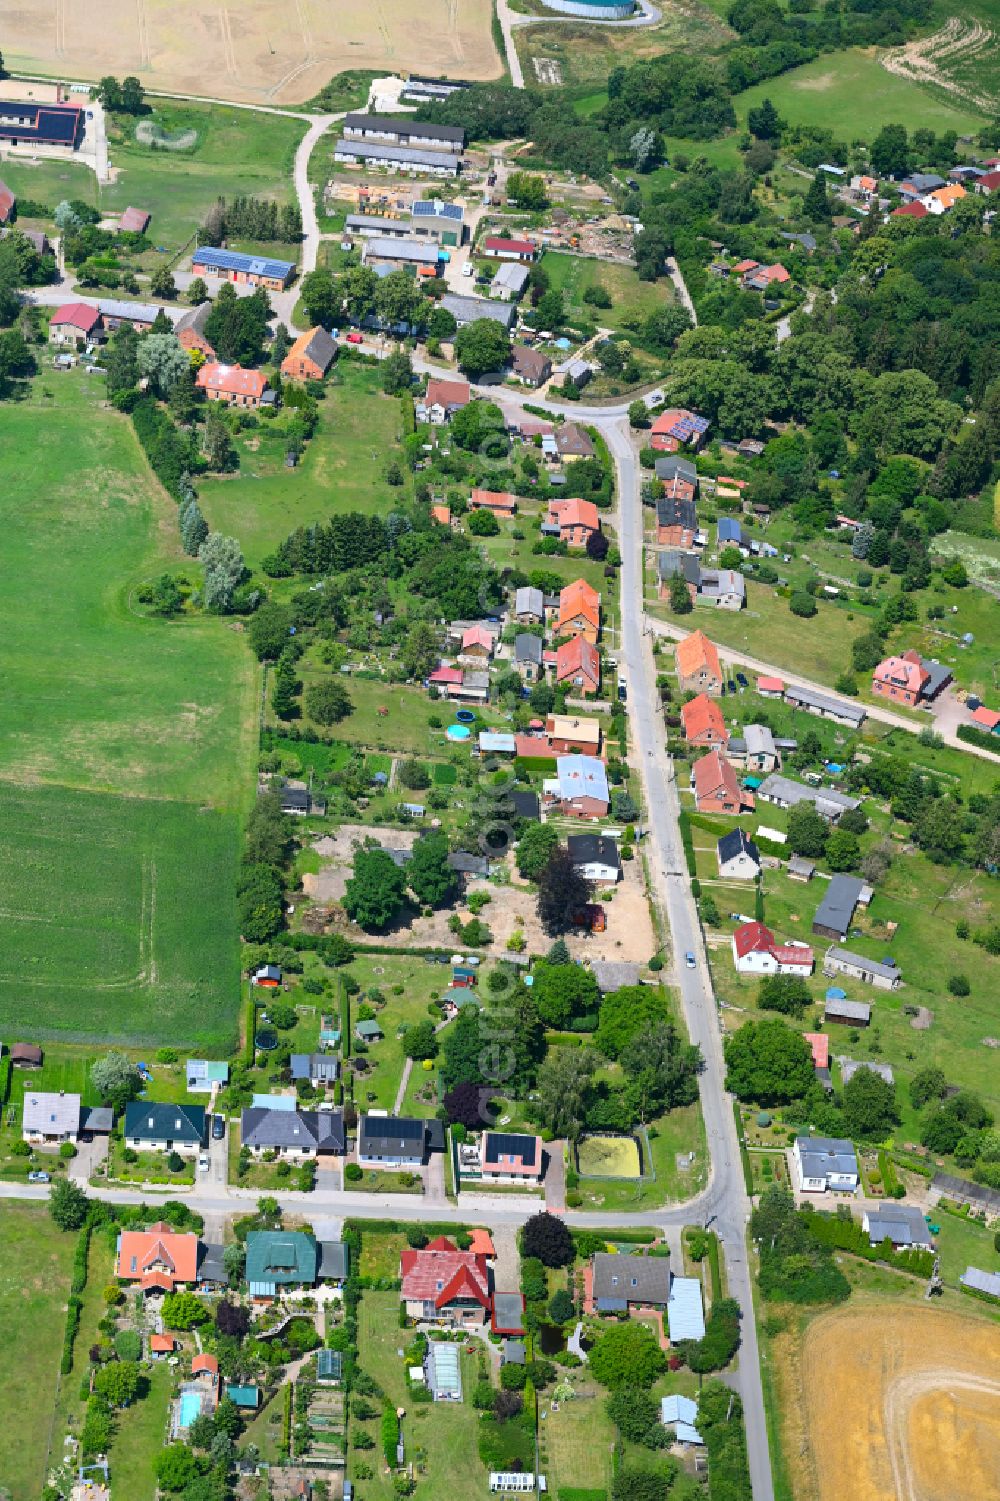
<point>902,1403</point>
<point>257,51</point>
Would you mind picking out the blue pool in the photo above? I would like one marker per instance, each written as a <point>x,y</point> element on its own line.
<point>458,732</point>
<point>189,1409</point>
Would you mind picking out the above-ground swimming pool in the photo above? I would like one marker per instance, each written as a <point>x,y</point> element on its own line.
<point>465,716</point>
<point>458,732</point>
<point>190,1407</point>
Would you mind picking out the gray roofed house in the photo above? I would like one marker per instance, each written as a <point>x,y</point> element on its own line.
<point>850,1066</point>
<point>835,912</point>
<point>384,153</point>
<point>671,563</point>
<point>510,281</point>
<point>529,604</point>
<point>903,1224</point>
<point>806,240</point>
<point>403,128</point>
<point>825,706</point>
<point>801,869</point>
<point>295,1132</point>
<point>614,974</point>
<point>670,511</point>
<point>918,183</point>
<point>49,1116</point>
<point>738,856</point>
<point>726,587</point>
<point>786,792</point>
<point>508,1313</point>
<point>762,753</point>
<point>386,248</point>
<point>470,309</point>
<point>513,1352</point>
<point>164,1127</point>
<point>825,1162</point>
<point>114,312</point>
<point>318,1068</point>
<point>525,803</point>
<point>528,650</point>
<point>880,973</point>
<point>375,224</point>
<point>393,1140</point>
<point>981,1282</point>
<point>334,1261</point>
<point>96,1120</point>
<point>466,864</point>
<point>595,856</point>
<point>855,1013</point>
<point>976,1195</point>
<point>673,467</point>
<point>622,1280</point>
<point>211,1264</point>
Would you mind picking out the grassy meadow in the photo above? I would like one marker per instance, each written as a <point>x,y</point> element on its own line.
<point>125,743</point>
<point>35,1264</point>
<point>341,470</point>
<point>849,91</point>
<point>630,297</point>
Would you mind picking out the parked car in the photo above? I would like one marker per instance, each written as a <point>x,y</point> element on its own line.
<point>690,960</point>
<point>743,680</point>
<point>203,1163</point>
<point>354,338</point>
<point>218,1127</point>
<point>38,1178</point>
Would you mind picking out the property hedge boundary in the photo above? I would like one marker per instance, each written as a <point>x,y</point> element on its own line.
<point>74,1303</point>
<point>983,738</point>
<point>744,1154</point>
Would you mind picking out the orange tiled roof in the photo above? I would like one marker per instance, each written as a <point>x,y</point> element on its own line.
<point>695,653</point>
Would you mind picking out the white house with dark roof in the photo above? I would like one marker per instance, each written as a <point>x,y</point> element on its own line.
<point>825,1162</point>
<point>739,857</point>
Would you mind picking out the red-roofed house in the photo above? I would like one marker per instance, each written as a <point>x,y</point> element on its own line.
<point>72,321</point>
<point>913,210</point>
<point>900,679</point>
<point>134,221</point>
<point>443,1283</point>
<point>716,788</point>
<point>446,677</point>
<point>579,611</point>
<point>987,719</point>
<point>481,1244</point>
<point>770,687</point>
<point>159,1259</point>
<point>7,202</point>
<point>442,399</point>
<point>575,518</point>
<point>441,514</point>
<point>508,250</point>
<point>987,184</point>
<point>702,722</point>
<point>755,952</point>
<point>820,1044</point>
<point>698,665</point>
<point>500,502</point>
<point>161,1344</point>
<point>578,663</point>
<point>766,276</point>
<point>742,267</point>
<point>477,642</point>
<point>676,428</point>
<point>231,384</point>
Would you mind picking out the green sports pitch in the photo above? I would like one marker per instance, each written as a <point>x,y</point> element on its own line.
<point>118,917</point>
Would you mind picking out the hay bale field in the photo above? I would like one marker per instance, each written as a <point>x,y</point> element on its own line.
<point>257,51</point>
<point>609,1157</point>
<point>916,1393</point>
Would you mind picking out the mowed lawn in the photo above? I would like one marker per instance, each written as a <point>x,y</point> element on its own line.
<point>849,92</point>
<point>119,917</point>
<point>342,468</point>
<point>95,694</point>
<point>35,1262</point>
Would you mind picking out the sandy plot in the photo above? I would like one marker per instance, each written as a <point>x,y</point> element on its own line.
<point>922,1422</point>
<point>268,51</point>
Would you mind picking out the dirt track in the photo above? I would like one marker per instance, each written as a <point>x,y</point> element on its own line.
<point>916,1394</point>
<point>251,51</point>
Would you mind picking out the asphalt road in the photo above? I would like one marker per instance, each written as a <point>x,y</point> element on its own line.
<point>725,1203</point>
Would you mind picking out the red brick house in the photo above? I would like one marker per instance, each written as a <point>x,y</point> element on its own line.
<point>716,788</point>
<point>231,384</point>
<point>443,1283</point>
<point>900,679</point>
<point>575,518</point>
<point>500,502</point>
<point>579,611</point>
<point>311,356</point>
<point>702,722</point>
<point>578,663</point>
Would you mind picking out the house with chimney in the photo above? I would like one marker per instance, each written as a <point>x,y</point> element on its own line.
<point>572,520</point>
<point>442,1284</point>
<point>756,951</point>
<point>716,787</point>
<point>579,612</point>
<point>702,722</point>
<point>578,665</point>
<point>698,666</point>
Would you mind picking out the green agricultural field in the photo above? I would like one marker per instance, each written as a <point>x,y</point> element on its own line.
<point>237,152</point>
<point>35,1262</point>
<point>120,918</point>
<point>342,468</point>
<point>95,694</point>
<point>631,298</point>
<point>849,92</point>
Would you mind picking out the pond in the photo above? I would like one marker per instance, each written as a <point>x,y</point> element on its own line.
<point>550,1339</point>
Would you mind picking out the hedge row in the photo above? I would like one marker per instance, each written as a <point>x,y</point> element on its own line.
<point>847,1235</point>
<point>74,1303</point>
<point>983,738</point>
<point>390,1434</point>
<point>744,1154</point>
<point>687,840</point>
